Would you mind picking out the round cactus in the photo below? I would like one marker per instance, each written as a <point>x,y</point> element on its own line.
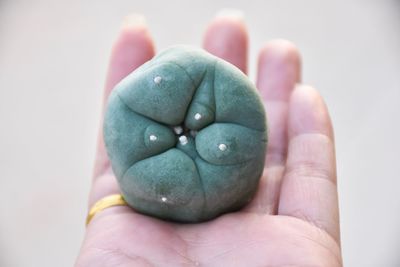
<point>186,135</point>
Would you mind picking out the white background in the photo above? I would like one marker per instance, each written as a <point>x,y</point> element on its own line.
<point>53,59</point>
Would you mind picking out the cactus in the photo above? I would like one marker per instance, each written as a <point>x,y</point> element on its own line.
<point>186,134</point>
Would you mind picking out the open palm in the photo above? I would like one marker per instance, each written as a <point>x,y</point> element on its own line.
<point>293,219</point>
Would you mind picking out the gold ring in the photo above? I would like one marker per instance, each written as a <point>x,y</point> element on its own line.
<point>105,202</point>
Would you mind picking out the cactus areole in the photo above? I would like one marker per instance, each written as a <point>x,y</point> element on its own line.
<point>186,135</point>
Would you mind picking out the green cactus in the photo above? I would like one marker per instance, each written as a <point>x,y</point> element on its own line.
<point>186,135</point>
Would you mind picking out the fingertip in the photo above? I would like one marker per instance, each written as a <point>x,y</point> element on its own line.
<point>230,19</point>
<point>282,49</point>
<point>134,35</point>
<point>279,69</point>
<point>133,47</point>
<point>134,29</point>
<point>308,113</point>
<point>226,37</point>
<point>134,20</point>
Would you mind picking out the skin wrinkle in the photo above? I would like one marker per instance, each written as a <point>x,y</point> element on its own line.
<point>248,244</point>
<point>269,191</point>
<point>132,258</point>
<point>308,166</point>
<point>218,255</point>
<point>323,225</point>
<point>300,212</point>
<point>184,254</point>
<point>275,158</point>
<point>181,253</point>
<point>221,254</point>
<point>309,171</point>
<point>325,234</point>
<point>317,223</point>
<point>189,245</point>
<point>108,251</point>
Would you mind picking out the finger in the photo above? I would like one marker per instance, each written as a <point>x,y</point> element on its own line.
<point>226,37</point>
<point>132,48</point>
<point>278,72</point>
<point>309,190</point>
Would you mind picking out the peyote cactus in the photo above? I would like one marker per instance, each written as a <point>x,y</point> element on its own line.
<point>186,135</point>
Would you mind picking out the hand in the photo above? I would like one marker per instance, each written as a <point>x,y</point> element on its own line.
<point>293,219</point>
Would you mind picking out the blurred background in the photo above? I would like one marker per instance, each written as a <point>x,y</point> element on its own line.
<point>53,60</point>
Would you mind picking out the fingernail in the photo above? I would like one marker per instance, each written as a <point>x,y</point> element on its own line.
<point>134,20</point>
<point>231,13</point>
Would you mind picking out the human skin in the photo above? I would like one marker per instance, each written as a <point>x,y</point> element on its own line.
<point>293,219</point>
